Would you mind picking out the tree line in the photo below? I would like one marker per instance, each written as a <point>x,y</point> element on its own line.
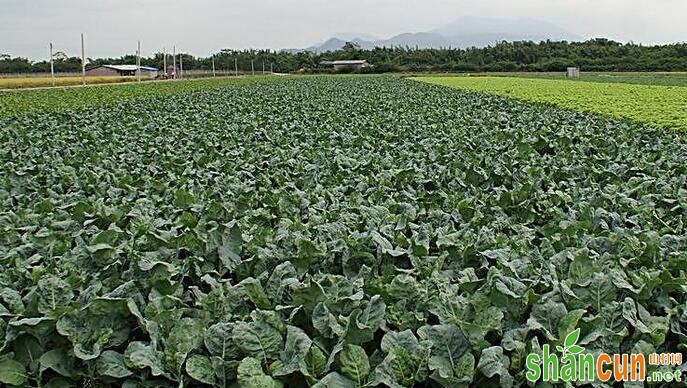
<point>591,55</point>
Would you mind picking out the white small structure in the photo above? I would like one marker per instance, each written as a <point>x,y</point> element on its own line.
<point>338,65</point>
<point>122,71</point>
<point>573,72</point>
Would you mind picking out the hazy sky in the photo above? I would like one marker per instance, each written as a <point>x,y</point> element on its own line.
<point>202,26</point>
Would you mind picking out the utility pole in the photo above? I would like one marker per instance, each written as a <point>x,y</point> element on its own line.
<point>252,68</point>
<point>213,65</point>
<point>263,67</point>
<point>181,66</point>
<point>138,62</point>
<point>83,63</point>
<point>174,58</point>
<point>271,68</point>
<point>236,66</point>
<point>164,61</point>
<point>52,67</point>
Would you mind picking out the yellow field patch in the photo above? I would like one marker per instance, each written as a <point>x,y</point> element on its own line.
<point>39,82</point>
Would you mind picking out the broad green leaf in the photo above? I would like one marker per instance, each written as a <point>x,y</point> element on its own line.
<point>465,369</point>
<point>283,276</point>
<point>27,350</point>
<point>251,375</point>
<point>630,314</point>
<point>599,291</point>
<point>569,323</point>
<point>230,250</point>
<point>398,369</point>
<point>111,363</point>
<point>493,362</point>
<point>296,349</point>
<point>315,362</point>
<point>218,340</point>
<point>54,293</point>
<point>256,293</point>
<point>140,356</point>
<point>12,372</point>
<point>325,322</point>
<point>257,339</point>
<point>448,345</point>
<point>546,316</point>
<point>59,361</point>
<point>372,316</point>
<point>354,363</point>
<point>385,246</point>
<point>405,339</point>
<point>335,380</point>
<point>186,336</point>
<point>91,333</point>
<point>13,300</point>
<point>200,368</point>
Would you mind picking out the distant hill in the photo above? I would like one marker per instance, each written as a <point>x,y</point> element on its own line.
<point>462,33</point>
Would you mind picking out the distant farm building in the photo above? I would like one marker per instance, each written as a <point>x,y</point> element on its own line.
<point>171,72</point>
<point>121,70</point>
<point>573,72</point>
<point>338,65</point>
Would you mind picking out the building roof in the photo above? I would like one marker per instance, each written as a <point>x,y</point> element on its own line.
<point>129,68</point>
<point>350,62</point>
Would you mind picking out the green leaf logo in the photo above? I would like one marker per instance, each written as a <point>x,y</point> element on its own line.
<point>571,344</point>
<point>572,338</point>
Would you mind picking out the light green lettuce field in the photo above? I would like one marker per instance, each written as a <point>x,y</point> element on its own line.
<point>654,105</point>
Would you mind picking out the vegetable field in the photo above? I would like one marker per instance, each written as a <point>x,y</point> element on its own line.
<point>13,103</point>
<point>40,82</point>
<point>650,104</point>
<point>331,232</point>
<point>674,78</point>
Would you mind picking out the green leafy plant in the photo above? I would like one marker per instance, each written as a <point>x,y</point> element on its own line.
<point>332,231</point>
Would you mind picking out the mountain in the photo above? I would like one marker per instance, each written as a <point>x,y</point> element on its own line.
<point>462,33</point>
<point>349,36</point>
<point>418,39</point>
<point>330,44</point>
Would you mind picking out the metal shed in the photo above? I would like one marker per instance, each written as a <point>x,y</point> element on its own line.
<point>337,65</point>
<point>122,71</point>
